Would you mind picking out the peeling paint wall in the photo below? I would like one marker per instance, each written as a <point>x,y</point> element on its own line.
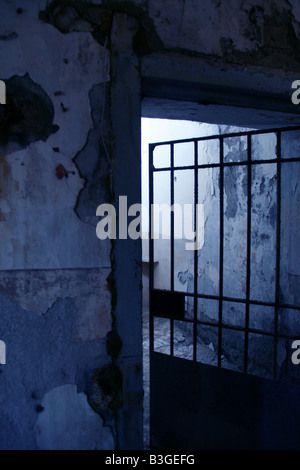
<point>244,31</point>
<point>73,72</point>
<point>56,300</point>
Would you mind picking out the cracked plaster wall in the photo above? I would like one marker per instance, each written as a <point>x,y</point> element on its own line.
<point>250,31</point>
<point>55,297</point>
<point>56,301</point>
<point>227,27</point>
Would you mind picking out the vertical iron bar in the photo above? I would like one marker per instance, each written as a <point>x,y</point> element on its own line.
<point>221,140</point>
<point>195,251</point>
<point>248,275</point>
<point>172,245</point>
<point>151,247</point>
<point>278,230</point>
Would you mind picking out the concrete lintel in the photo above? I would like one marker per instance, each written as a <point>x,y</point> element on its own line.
<point>213,82</point>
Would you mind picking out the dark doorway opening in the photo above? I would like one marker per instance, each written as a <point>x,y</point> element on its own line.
<point>224,317</point>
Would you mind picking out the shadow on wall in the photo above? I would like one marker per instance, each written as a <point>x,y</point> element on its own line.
<point>27,116</point>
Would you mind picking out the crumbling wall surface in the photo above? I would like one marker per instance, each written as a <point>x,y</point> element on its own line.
<point>252,32</point>
<point>55,298</point>
<point>257,32</point>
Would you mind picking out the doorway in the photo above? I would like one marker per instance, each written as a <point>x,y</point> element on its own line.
<point>157,130</point>
<point>206,330</point>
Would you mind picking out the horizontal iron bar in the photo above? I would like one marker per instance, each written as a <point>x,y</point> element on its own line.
<point>226,136</point>
<point>231,327</point>
<point>237,300</point>
<point>227,164</point>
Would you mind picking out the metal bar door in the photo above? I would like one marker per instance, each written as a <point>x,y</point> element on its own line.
<point>232,305</point>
